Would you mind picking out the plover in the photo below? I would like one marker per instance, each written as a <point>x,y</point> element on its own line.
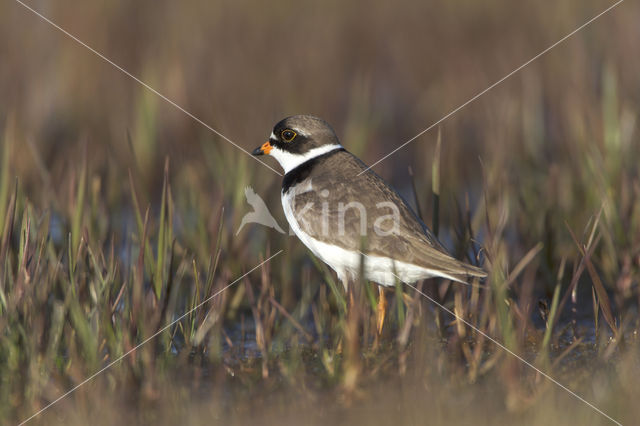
<point>341,213</point>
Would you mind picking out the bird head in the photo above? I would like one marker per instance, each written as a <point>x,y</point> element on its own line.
<point>298,138</point>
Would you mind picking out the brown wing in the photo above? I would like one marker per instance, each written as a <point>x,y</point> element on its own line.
<point>352,216</point>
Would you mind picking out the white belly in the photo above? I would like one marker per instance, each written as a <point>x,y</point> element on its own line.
<point>382,270</point>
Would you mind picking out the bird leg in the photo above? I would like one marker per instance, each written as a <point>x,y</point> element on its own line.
<point>382,308</point>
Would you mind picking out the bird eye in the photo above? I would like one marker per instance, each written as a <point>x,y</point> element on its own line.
<point>288,135</point>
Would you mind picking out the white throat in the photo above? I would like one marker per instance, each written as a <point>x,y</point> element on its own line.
<point>290,161</point>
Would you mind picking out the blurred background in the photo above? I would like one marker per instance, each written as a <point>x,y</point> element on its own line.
<point>544,152</point>
<point>378,72</point>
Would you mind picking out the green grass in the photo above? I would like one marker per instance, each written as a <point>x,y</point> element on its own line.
<point>117,220</point>
<point>73,301</point>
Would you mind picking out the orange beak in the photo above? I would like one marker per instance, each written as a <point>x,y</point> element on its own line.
<point>265,149</point>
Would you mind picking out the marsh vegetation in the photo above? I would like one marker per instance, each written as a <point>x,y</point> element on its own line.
<point>119,214</point>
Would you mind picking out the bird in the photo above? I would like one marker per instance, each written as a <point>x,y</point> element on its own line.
<point>260,213</point>
<point>349,217</point>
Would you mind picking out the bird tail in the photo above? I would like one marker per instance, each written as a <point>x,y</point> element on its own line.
<point>462,272</point>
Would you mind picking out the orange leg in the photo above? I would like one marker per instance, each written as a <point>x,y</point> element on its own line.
<point>350,303</point>
<point>382,308</point>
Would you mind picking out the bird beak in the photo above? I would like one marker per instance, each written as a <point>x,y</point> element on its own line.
<point>265,149</point>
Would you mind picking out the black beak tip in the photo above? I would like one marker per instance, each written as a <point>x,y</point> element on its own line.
<point>257,151</point>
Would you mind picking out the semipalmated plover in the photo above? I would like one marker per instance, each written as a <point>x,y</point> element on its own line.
<point>340,213</point>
